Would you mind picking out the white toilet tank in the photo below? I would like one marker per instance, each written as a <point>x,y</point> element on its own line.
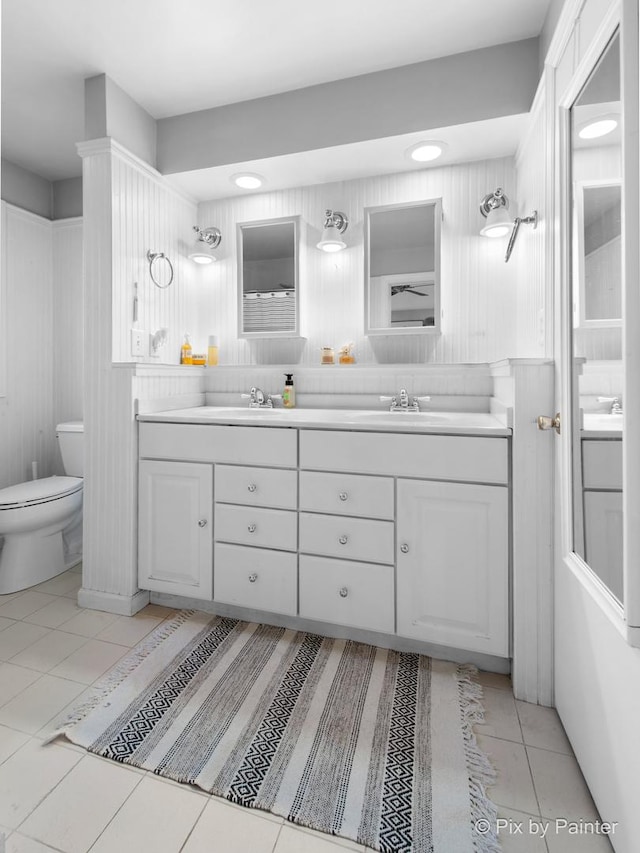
<point>71,440</point>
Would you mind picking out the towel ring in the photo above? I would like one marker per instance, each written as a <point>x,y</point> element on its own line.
<point>153,257</point>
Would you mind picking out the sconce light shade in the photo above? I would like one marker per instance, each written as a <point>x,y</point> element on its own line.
<point>207,240</point>
<point>494,208</point>
<point>498,223</point>
<point>335,224</point>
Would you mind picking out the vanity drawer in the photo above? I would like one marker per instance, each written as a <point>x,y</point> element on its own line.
<point>346,494</point>
<point>272,487</point>
<point>256,578</point>
<point>602,464</point>
<point>350,538</point>
<point>356,594</point>
<point>219,443</point>
<point>263,528</point>
<point>471,459</point>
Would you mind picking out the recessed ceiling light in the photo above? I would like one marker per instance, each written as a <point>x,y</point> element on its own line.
<point>422,152</point>
<point>597,128</point>
<point>247,180</point>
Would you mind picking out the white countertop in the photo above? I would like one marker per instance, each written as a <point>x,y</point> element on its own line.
<point>464,423</point>
<point>601,425</point>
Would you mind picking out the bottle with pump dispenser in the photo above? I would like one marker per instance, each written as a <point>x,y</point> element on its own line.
<point>186,353</point>
<point>289,393</point>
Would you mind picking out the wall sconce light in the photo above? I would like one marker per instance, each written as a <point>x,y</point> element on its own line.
<point>207,240</point>
<point>335,224</point>
<point>499,223</point>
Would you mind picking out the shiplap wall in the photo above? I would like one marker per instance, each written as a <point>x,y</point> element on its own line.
<point>479,291</point>
<point>27,411</point>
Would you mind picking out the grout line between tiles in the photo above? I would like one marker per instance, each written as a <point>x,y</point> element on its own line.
<point>117,811</point>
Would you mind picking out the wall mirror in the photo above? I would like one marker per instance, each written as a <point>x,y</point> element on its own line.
<point>268,293</point>
<point>596,290</point>
<point>598,256</point>
<point>402,268</point>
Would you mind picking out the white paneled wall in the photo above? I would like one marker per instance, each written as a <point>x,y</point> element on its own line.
<point>149,216</point>
<point>27,412</point>
<point>534,336</point>
<point>68,320</point>
<point>479,293</point>
<point>127,210</point>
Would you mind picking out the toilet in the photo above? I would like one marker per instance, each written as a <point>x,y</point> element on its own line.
<point>34,516</point>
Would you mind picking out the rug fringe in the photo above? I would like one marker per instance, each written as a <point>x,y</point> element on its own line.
<point>481,772</point>
<point>119,672</point>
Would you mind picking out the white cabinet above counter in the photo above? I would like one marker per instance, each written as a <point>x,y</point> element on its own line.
<point>312,512</point>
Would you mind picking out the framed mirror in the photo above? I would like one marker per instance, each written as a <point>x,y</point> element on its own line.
<point>598,256</point>
<point>402,268</point>
<point>597,287</point>
<point>268,292</point>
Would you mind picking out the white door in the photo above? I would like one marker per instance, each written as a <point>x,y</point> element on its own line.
<point>175,511</point>
<point>452,564</point>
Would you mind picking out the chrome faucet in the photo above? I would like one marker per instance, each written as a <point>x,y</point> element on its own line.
<point>258,400</point>
<point>616,405</point>
<point>403,403</point>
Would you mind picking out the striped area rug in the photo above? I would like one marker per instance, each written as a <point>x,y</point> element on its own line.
<point>347,738</point>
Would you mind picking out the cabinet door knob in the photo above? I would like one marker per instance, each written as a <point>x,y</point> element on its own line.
<point>202,522</point>
<point>404,548</point>
<point>343,540</point>
<point>251,528</point>
<point>344,592</point>
<point>343,496</point>
<point>252,487</point>
<point>253,577</point>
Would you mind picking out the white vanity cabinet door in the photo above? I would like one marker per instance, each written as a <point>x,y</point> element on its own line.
<point>452,565</point>
<point>175,550</point>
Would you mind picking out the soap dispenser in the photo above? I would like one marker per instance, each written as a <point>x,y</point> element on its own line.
<point>186,351</point>
<point>289,393</point>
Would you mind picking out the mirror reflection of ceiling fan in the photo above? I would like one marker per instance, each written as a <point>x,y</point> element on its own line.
<point>408,288</point>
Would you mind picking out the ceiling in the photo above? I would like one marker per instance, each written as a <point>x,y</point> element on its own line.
<point>174,58</point>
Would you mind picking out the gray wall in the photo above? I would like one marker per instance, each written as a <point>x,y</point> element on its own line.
<point>466,87</point>
<point>25,189</point>
<point>109,111</point>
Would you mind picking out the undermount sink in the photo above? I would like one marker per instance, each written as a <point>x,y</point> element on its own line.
<point>406,417</point>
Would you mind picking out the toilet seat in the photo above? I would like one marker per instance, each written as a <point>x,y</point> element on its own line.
<point>38,491</point>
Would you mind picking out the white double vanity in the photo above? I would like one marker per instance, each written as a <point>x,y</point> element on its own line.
<point>395,523</point>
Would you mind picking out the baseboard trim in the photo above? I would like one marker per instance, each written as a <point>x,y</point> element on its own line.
<point>491,663</point>
<point>123,605</point>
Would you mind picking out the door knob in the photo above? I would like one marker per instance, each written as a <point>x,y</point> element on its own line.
<point>344,592</point>
<point>546,422</point>
<point>343,496</point>
<point>202,522</point>
<point>251,528</point>
<point>252,487</point>
<point>404,548</point>
<point>253,577</point>
<point>343,540</point>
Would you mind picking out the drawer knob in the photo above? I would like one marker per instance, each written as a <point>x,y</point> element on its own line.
<point>202,522</point>
<point>252,487</point>
<point>343,540</point>
<point>404,548</point>
<point>253,577</point>
<point>344,592</point>
<point>251,528</point>
<point>343,496</point>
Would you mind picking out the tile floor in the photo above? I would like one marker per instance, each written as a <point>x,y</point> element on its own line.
<point>58,797</point>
